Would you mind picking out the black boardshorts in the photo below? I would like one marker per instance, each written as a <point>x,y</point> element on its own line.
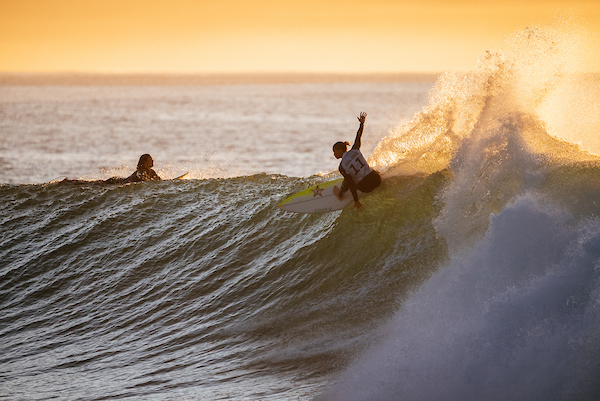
<point>370,182</point>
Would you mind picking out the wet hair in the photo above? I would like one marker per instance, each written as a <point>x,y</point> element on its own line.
<point>341,145</point>
<point>145,160</point>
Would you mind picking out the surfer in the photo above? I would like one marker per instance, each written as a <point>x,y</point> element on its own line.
<point>143,172</point>
<point>355,169</point>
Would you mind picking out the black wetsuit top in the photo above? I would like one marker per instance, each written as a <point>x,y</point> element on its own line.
<point>143,174</point>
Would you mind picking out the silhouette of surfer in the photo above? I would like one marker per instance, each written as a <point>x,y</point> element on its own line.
<point>355,169</point>
<point>143,172</point>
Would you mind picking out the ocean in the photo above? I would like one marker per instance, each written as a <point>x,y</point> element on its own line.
<point>472,273</point>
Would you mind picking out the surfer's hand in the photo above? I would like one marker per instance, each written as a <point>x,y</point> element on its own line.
<point>359,206</point>
<point>362,117</point>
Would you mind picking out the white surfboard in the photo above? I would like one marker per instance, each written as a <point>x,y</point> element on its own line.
<point>317,199</point>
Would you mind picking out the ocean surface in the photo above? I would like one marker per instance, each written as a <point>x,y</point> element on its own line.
<point>472,274</point>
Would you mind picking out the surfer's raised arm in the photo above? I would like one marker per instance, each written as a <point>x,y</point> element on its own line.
<point>359,133</point>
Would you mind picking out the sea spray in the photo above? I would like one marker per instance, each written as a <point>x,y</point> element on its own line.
<point>515,312</point>
<point>517,318</point>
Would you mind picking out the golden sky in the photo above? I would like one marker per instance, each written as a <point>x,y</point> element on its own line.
<point>195,36</point>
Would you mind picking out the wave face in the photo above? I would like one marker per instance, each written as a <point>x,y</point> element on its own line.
<point>198,288</point>
<point>473,272</point>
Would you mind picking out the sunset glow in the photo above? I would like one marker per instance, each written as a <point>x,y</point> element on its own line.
<point>187,36</point>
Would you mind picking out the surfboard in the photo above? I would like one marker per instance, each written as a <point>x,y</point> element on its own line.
<point>181,176</point>
<point>317,199</point>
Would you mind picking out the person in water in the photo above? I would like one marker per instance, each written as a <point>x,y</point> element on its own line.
<point>143,172</point>
<point>355,169</point>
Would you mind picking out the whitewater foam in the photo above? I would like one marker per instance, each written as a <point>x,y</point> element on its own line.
<point>517,318</point>
<point>514,314</point>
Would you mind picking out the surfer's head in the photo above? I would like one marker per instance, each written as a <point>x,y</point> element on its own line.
<point>145,162</point>
<point>339,148</point>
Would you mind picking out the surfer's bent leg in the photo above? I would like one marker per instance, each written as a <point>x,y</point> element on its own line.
<point>343,189</point>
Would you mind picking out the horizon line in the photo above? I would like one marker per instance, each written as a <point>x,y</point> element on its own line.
<point>205,78</point>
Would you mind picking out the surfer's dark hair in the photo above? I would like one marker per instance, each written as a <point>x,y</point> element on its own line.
<point>144,161</point>
<point>341,145</point>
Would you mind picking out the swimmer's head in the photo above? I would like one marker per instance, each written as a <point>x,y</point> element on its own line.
<point>145,161</point>
<point>339,148</point>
